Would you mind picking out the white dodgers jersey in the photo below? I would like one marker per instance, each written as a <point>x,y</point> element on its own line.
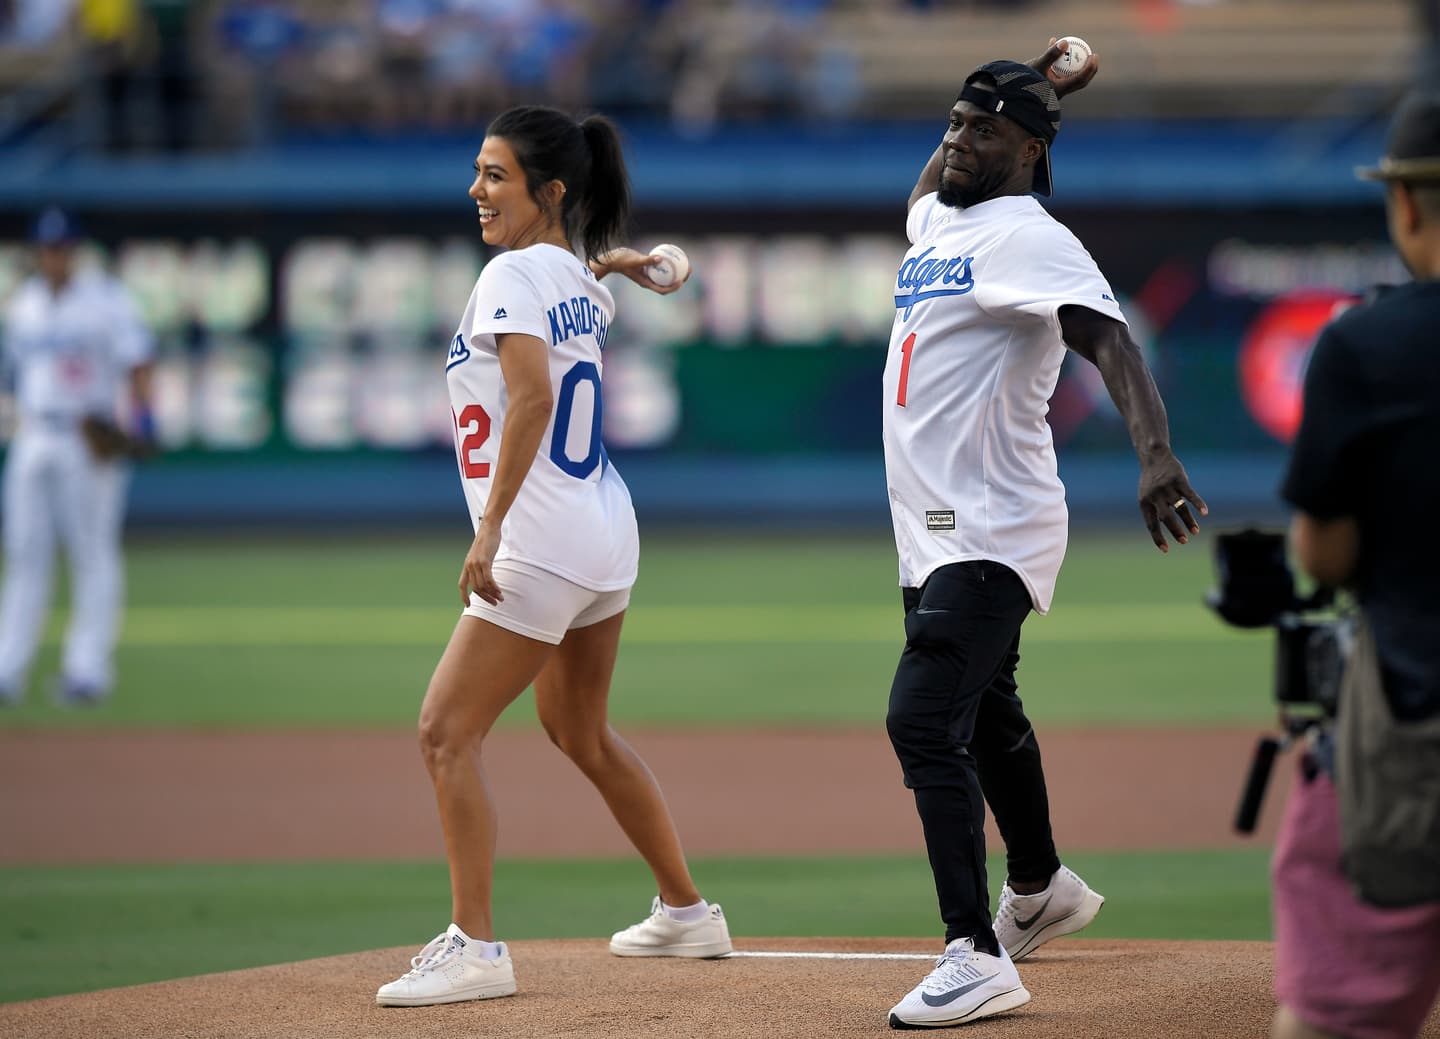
<point>72,350</point>
<point>572,515</point>
<point>975,354</point>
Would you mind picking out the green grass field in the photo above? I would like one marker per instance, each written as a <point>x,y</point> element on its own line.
<point>72,929</point>
<point>722,631</point>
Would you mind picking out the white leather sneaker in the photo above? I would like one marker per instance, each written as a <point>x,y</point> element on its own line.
<point>448,971</point>
<point>658,935</point>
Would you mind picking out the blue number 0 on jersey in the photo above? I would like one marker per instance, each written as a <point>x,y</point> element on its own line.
<point>581,371</point>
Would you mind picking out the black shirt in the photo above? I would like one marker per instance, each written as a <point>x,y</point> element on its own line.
<point>1368,447</point>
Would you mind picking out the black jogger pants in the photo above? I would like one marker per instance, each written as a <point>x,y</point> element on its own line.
<point>959,729</point>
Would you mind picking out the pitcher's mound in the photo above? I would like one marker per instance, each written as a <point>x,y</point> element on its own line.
<point>1082,988</point>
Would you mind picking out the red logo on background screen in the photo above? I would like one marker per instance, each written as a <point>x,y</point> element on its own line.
<point>1275,353</point>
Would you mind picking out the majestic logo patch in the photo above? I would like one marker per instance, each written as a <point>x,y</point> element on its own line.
<point>459,352</point>
<point>499,314</point>
<point>939,519</point>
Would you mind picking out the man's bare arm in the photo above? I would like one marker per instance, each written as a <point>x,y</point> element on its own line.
<point>1165,494</point>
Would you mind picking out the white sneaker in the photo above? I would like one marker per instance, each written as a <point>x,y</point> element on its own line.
<point>964,986</point>
<point>659,935</point>
<point>448,971</point>
<point>1023,923</point>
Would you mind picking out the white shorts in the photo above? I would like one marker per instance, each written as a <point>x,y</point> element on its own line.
<point>541,605</point>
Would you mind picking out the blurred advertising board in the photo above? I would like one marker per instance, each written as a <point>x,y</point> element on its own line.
<point>326,332</point>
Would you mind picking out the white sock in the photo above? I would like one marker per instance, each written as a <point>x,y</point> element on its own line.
<point>485,950</point>
<point>687,914</point>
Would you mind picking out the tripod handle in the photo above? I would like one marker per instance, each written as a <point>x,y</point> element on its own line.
<point>1260,767</point>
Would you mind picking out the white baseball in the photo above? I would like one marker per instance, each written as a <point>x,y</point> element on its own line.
<point>1074,59</point>
<point>672,268</point>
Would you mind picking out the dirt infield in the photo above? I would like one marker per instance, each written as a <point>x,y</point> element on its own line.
<point>1082,990</point>
<point>177,796</point>
<point>116,796</point>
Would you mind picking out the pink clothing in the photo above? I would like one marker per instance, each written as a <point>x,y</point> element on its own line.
<point>1341,965</point>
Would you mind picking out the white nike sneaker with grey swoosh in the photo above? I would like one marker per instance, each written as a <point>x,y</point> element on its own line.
<point>1023,923</point>
<point>964,986</point>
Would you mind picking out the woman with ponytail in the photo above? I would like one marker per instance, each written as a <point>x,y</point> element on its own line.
<point>547,578</point>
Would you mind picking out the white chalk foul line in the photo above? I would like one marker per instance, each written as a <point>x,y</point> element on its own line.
<point>833,955</point>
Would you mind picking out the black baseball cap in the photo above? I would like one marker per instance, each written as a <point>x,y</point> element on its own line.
<point>54,226</point>
<point>1025,97</point>
<point>1412,148</point>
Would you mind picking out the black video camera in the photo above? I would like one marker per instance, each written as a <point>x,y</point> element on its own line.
<point>1257,589</point>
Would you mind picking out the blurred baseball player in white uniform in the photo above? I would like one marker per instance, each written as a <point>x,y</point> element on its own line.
<point>988,298</point>
<point>73,344</point>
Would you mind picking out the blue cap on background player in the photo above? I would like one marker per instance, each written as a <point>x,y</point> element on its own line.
<point>55,227</point>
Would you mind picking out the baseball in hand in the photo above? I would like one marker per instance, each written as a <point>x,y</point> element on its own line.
<point>672,267</point>
<point>1074,59</point>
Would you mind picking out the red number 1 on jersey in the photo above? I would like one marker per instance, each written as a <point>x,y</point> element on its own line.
<point>472,415</point>
<point>906,348</point>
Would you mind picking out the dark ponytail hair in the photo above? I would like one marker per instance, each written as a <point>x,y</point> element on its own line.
<point>586,157</point>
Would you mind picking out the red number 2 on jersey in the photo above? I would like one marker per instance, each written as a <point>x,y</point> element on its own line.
<point>472,415</point>
<point>906,348</point>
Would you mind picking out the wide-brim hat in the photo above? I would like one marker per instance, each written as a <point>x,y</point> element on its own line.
<point>1412,147</point>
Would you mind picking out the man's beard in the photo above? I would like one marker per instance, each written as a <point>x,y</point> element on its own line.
<point>981,188</point>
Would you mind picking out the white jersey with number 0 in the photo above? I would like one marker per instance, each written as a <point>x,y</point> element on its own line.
<point>73,350</point>
<point>974,356</point>
<point>573,515</point>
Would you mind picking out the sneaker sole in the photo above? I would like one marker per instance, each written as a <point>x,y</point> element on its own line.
<point>1078,918</point>
<point>488,992</point>
<point>996,1004</point>
<point>697,951</point>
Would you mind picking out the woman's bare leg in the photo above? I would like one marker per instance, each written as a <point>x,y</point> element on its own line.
<point>572,696</point>
<point>483,669</point>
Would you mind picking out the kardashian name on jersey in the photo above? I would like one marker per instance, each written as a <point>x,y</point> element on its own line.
<point>577,316</point>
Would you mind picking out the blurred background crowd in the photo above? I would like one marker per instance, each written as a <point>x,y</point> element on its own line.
<point>201,74</point>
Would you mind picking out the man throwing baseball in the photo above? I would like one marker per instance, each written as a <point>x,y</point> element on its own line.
<point>988,298</point>
<point>73,342</point>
